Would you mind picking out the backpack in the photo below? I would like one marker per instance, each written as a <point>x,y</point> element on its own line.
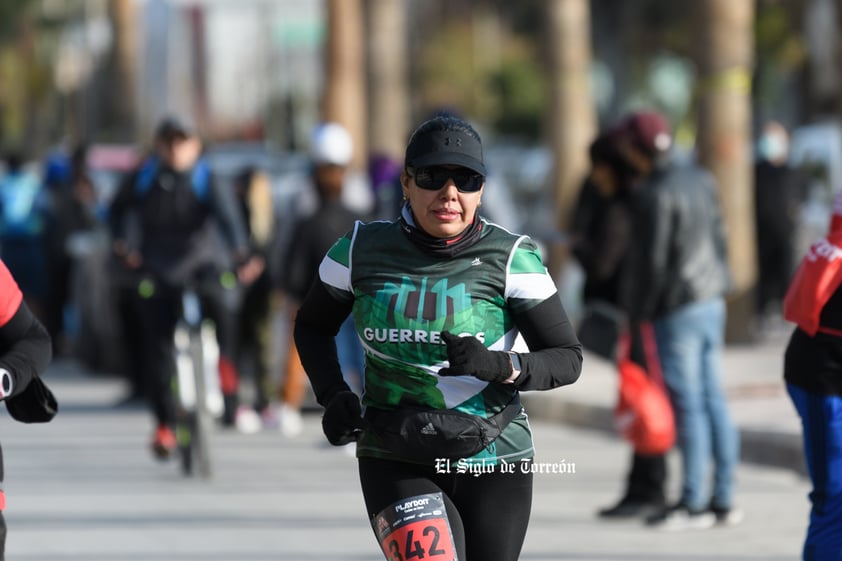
<point>199,178</point>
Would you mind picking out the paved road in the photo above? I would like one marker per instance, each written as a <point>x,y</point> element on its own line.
<point>84,488</point>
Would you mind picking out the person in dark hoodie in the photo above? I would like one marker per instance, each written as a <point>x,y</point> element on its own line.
<point>602,220</point>
<point>603,233</point>
<point>331,150</point>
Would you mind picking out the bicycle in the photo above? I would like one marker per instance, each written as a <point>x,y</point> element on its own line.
<point>196,385</point>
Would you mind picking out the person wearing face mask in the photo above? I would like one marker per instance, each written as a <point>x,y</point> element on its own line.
<point>779,191</point>
<point>438,298</point>
<point>166,222</point>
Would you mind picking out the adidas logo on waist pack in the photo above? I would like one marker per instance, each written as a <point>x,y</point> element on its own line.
<point>429,429</point>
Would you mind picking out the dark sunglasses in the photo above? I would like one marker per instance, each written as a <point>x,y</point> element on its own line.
<point>434,178</point>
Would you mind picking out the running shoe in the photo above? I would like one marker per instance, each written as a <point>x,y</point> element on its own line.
<point>247,420</point>
<point>269,417</point>
<point>291,424</point>
<point>163,443</point>
<point>727,516</point>
<point>680,517</point>
<point>632,508</point>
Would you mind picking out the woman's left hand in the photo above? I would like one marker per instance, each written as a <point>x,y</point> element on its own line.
<point>469,357</point>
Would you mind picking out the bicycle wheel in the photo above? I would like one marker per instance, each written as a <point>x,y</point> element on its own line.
<point>184,437</point>
<point>184,389</point>
<point>202,422</point>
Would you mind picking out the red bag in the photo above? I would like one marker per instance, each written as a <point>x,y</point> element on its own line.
<point>643,414</point>
<point>817,278</point>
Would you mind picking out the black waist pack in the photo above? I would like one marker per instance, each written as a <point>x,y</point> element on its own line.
<point>429,434</point>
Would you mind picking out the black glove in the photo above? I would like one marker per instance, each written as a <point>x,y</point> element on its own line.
<point>469,357</point>
<point>342,421</point>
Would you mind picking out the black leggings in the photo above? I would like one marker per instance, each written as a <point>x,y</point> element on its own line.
<point>158,317</point>
<point>488,514</point>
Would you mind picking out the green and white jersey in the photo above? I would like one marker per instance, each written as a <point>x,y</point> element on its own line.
<point>403,298</point>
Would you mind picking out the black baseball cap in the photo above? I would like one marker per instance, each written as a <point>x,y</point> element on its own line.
<point>431,146</point>
<point>172,127</point>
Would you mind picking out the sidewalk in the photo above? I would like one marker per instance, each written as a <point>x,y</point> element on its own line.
<point>769,426</point>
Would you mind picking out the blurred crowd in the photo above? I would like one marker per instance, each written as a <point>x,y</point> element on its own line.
<point>62,236</point>
<point>83,253</point>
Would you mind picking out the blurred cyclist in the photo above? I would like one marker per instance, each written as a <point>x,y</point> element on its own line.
<point>166,222</point>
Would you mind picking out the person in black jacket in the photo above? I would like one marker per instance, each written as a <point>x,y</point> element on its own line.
<point>331,149</point>
<point>166,223</point>
<point>602,236</point>
<point>676,277</point>
<point>779,191</point>
<point>25,353</point>
<point>602,220</point>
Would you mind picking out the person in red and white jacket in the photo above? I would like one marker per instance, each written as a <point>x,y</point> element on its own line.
<point>25,352</point>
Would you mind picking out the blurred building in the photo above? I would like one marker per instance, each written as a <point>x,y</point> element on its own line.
<point>249,68</point>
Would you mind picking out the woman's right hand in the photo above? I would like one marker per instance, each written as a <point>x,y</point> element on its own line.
<point>342,422</point>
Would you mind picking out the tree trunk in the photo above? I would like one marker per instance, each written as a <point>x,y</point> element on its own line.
<point>124,21</point>
<point>344,89</point>
<point>388,89</point>
<point>572,122</point>
<point>724,142</point>
<point>822,23</point>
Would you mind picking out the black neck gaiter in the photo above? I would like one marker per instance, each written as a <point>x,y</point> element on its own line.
<point>441,247</point>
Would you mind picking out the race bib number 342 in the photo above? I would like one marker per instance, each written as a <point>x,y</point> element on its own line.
<point>415,528</point>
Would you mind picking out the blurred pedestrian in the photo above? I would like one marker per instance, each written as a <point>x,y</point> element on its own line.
<point>254,194</point>
<point>676,277</point>
<point>602,221</point>
<point>779,191</point>
<point>813,375</point>
<point>24,209</point>
<point>123,281</point>
<point>72,211</point>
<point>176,226</point>
<point>600,242</point>
<point>439,297</point>
<point>331,149</point>
<point>385,175</point>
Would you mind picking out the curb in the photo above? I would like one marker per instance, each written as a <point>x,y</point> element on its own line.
<point>762,447</point>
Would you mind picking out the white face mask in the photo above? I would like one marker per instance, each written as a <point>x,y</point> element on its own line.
<point>772,147</point>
